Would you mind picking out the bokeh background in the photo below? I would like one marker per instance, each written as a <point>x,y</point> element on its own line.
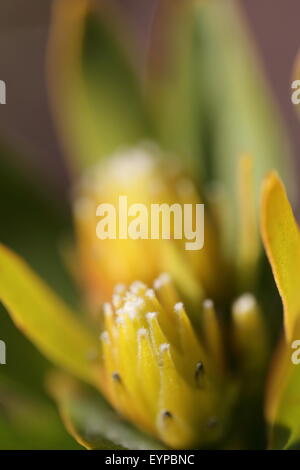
<point>26,120</point>
<point>32,226</point>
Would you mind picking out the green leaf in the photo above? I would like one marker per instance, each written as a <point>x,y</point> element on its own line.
<point>92,422</point>
<point>239,111</point>
<point>172,81</point>
<point>23,204</point>
<point>44,318</point>
<point>282,399</point>
<point>41,223</point>
<point>96,94</point>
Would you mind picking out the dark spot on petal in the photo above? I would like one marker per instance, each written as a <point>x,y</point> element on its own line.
<point>199,374</point>
<point>116,376</point>
<point>166,414</point>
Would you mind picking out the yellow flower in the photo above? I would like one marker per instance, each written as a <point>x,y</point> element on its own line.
<point>179,370</point>
<point>165,360</point>
<point>158,373</point>
<point>145,176</point>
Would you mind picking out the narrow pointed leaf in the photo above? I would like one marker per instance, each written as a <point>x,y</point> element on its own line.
<point>172,80</point>
<point>281,238</point>
<point>94,90</point>
<point>238,107</point>
<point>44,318</point>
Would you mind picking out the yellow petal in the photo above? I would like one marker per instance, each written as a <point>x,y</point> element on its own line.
<point>282,242</point>
<point>44,318</point>
<point>281,238</point>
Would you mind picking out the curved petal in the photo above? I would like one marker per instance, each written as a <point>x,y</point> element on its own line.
<point>281,238</point>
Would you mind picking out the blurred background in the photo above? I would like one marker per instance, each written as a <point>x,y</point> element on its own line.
<point>31,225</point>
<point>26,120</point>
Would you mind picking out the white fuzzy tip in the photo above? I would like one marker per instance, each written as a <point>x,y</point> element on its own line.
<point>120,289</point>
<point>164,347</point>
<point>162,279</point>
<point>208,304</point>
<point>137,286</point>
<point>142,333</point>
<point>130,165</point>
<point>244,304</point>
<point>150,293</point>
<point>107,309</point>
<point>120,321</point>
<point>178,307</point>
<point>104,337</point>
<point>116,300</point>
<point>151,315</point>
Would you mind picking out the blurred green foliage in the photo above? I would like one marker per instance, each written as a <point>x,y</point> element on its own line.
<point>32,226</point>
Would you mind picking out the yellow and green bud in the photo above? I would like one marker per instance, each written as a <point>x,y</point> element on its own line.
<point>157,370</point>
<point>144,178</point>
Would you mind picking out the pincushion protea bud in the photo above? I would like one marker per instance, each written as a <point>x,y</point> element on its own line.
<point>158,373</point>
<point>144,178</point>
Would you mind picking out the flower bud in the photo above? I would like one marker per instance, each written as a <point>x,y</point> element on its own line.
<point>140,176</point>
<point>157,373</point>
